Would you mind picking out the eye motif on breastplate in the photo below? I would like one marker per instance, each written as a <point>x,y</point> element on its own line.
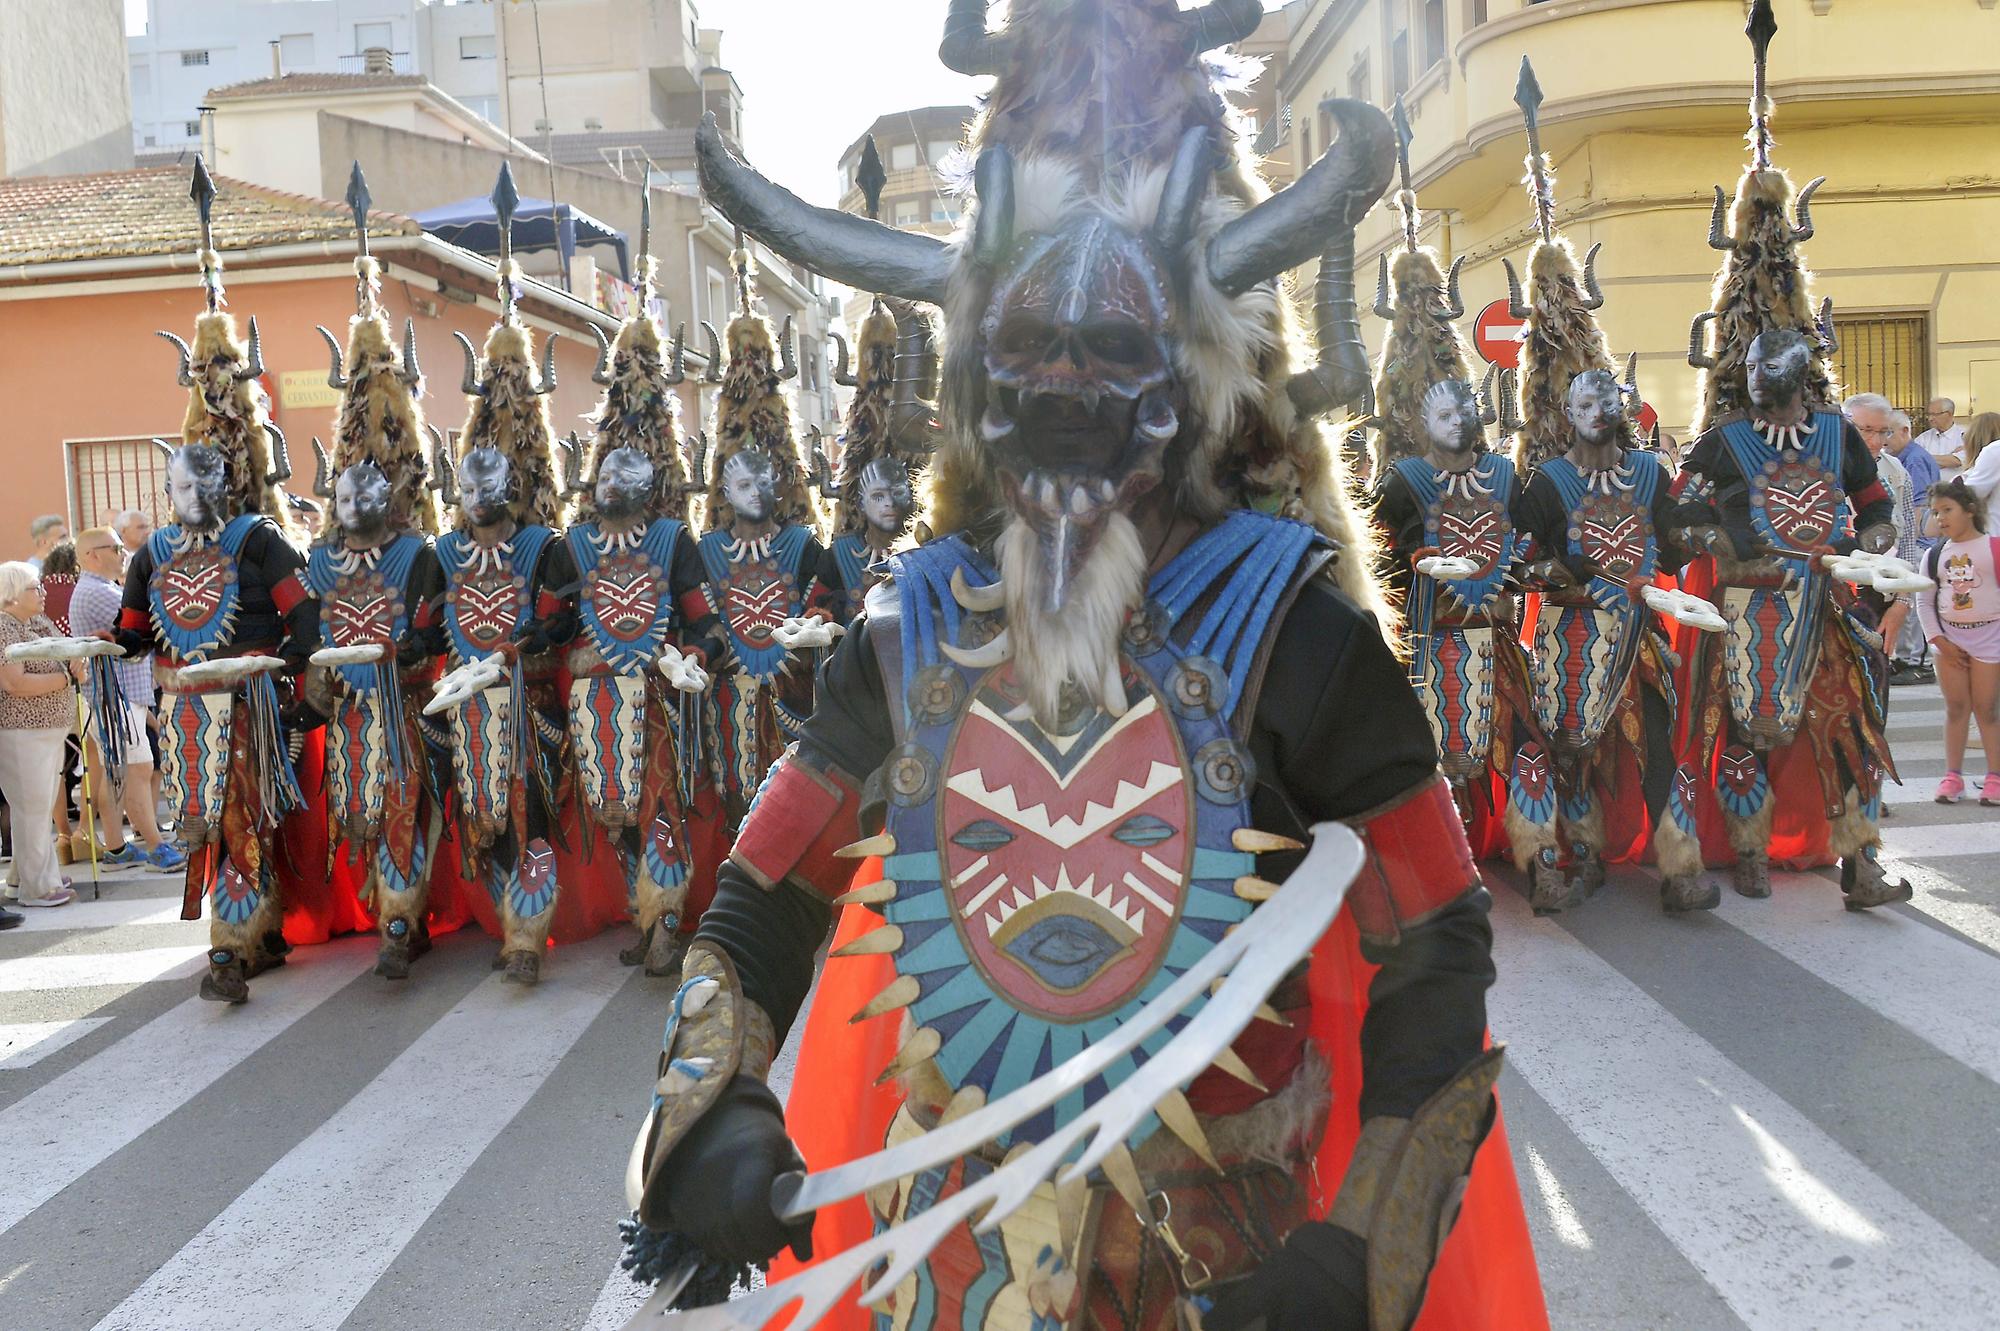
<point>193,585</point>
<point>757,601</point>
<point>1067,857</point>
<point>1799,500</point>
<point>361,609</point>
<point>1472,528</point>
<point>488,605</point>
<point>1612,533</point>
<point>624,592</point>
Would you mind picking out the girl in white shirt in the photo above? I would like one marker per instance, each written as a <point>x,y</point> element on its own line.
<point>1961,618</point>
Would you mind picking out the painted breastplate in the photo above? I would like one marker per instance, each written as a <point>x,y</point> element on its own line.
<point>1796,498</point>
<point>1048,885</point>
<point>1465,516</point>
<point>487,587</point>
<point>195,587</point>
<point>757,589</point>
<point>363,598</point>
<point>627,603</point>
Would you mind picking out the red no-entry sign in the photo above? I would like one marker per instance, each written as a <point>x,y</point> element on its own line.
<point>1497,335</point>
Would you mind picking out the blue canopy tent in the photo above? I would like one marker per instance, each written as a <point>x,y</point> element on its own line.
<point>538,225</point>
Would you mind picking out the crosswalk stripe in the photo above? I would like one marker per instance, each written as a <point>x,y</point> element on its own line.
<point>1945,901</point>
<point>79,1119</point>
<point>1740,1181</point>
<point>84,913</point>
<point>1945,840</point>
<point>303,1245</point>
<point>83,969</point>
<point>617,1303</point>
<point>26,1043</point>
<point>1932,985</point>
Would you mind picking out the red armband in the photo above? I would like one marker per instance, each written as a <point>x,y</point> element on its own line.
<point>1872,493</point>
<point>695,605</point>
<point>547,604</point>
<point>136,620</point>
<point>427,614</point>
<point>287,595</point>
<point>801,816</point>
<point>1418,862</point>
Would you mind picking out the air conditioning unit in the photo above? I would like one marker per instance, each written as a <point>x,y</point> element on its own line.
<point>593,123</point>
<point>544,127</point>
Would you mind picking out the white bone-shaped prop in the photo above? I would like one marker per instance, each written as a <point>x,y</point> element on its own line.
<point>228,669</point>
<point>62,649</point>
<point>364,654</point>
<point>460,684</point>
<point>1447,568</point>
<point>1689,610</point>
<point>681,671</point>
<point>1885,573</point>
<point>1255,956</point>
<point>802,634</point>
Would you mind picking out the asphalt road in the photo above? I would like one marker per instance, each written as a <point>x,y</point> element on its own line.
<point>1780,1115</point>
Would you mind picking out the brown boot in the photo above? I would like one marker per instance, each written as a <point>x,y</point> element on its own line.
<point>1549,892</point>
<point>1688,892</point>
<point>1752,874</point>
<point>1866,886</point>
<point>1586,871</point>
<point>398,950</point>
<point>663,957</point>
<point>227,980</point>
<point>522,967</point>
<point>633,955</point>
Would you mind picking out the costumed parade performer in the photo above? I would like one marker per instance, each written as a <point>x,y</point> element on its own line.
<point>508,726</point>
<point>1444,501</point>
<point>1595,514</point>
<point>1785,711</point>
<point>1098,723</point>
<point>645,635</point>
<point>380,591</point>
<point>217,593</point>
<point>760,554</point>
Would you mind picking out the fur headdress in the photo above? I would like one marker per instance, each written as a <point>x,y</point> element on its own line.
<point>510,414</point>
<point>1562,337</point>
<point>751,412</point>
<point>227,409</point>
<point>866,436</point>
<point>380,420</point>
<point>640,410</point>
<point>1764,282</point>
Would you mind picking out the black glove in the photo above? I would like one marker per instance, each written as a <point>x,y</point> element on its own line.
<point>1317,1282</point>
<point>716,1189</point>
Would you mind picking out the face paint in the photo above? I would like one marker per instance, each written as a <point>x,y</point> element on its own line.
<point>1777,367</point>
<point>886,499</point>
<point>1596,407</point>
<point>361,502</point>
<point>624,482</point>
<point>485,486</point>
<point>750,485</point>
<point>1451,418</point>
<point>196,486</point>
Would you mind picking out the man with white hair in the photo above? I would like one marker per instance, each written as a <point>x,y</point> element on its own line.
<point>134,527</point>
<point>1874,416</point>
<point>1945,440</point>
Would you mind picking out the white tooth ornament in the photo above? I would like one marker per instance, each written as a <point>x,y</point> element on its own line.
<point>1115,701</point>
<point>995,425</point>
<point>873,943</point>
<point>965,1100</point>
<point>922,1046</point>
<point>1178,1116</point>
<point>683,1075</point>
<point>1251,888</point>
<point>997,652</point>
<point>1254,842</point>
<point>879,844</point>
<point>900,993</point>
<point>1232,1063</point>
<point>1255,957</point>
<point>976,599</point>
<point>873,894</point>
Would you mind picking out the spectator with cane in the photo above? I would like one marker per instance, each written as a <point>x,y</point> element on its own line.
<point>34,718</point>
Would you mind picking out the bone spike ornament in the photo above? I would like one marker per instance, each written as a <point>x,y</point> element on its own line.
<point>1072,724</point>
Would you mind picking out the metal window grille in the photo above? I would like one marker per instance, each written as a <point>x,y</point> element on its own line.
<point>192,58</point>
<point>1887,354</point>
<point>108,476</point>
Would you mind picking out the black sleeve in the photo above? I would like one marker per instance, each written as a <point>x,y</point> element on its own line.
<point>425,594</point>
<point>1726,502</point>
<point>1862,480</point>
<point>138,596</point>
<point>1402,529</point>
<point>1672,557</point>
<point>1345,734</point>
<point>688,584</point>
<point>1539,515</point>
<point>556,580</point>
<point>850,727</point>
<point>278,560</point>
<point>829,587</point>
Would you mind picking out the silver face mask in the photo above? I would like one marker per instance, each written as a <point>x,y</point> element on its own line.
<point>886,498</point>
<point>1596,407</point>
<point>197,486</point>
<point>750,485</point>
<point>1777,367</point>
<point>361,502</point>
<point>1451,418</point>
<point>624,483</point>
<point>485,486</point>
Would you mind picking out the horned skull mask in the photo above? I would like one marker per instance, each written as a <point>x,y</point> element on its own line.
<point>1596,407</point>
<point>1452,419</point>
<point>486,486</point>
<point>1778,361</point>
<point>624,483</point>
<point>197,486</point>
<point>886,497</point>
<point>361,503</point>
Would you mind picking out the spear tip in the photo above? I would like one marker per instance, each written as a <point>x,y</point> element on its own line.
<point>1528,91</point>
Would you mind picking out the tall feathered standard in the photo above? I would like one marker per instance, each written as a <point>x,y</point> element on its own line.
<point>1424,348</point>
<point>640,410</point>
<point>510,414</point>
<point>751,412</point>
<point>380,419</point>
<point>227,410</point>
<point>866,435</point>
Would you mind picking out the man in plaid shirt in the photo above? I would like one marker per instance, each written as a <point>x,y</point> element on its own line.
<point>1874,416</point>
<point>94,609</point>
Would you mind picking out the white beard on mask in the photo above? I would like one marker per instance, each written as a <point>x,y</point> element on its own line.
<point>1078,645</point>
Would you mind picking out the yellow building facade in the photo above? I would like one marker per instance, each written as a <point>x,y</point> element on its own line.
<point>1895,102</point>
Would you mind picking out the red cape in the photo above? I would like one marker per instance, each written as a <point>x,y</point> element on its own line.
<point>1485,1278</point>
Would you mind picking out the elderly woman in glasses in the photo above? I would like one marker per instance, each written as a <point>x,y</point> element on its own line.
<point>35,715</point>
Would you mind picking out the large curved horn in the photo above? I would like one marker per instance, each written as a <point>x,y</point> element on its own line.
<point>322,470</point>
<point>444,477</point>
<point>548,383</point>
<point>1517,308</point>
<point>913,420</point>
<point>968,48</point>
<point>1804,230</point>
<point>1339,374</point>
<point>470,385</point>
<point>572,459</point>
<point>1383,309</point>
<point>1221,23</point>
<point>1632,377</point>
<point>1296,223</point>
<point>843,373</point>
<point>1829,340</point>
<point>336,371</point>
<point>993,186</point>
<point>788,352</point>
<point>1593,296</point>
<point>1718,226</point>
<point>167,450</point>
<point>863,254</point>
<point>1454,300</point>
<point>1187,185</point>
<point>1510,400</point>
<point>254,367</point>
<point>677,364</point>
<point>281,457</point>
<point>1489,406</point>
<point>602,374</point>
<point>1697,339</point>
<point>713,374</point>
<point>411,373</point>
<point>185,375</point>
<point>697,460</point>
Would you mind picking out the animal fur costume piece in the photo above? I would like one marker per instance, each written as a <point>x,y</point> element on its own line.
<point>640,410</point>
<point>1562,341</point>
<point>512,417</point>
<point>1424,348</point>
<point>751,412</point>
<point>866,436</point>
<point>231,415</point>
<point>380,420</point>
